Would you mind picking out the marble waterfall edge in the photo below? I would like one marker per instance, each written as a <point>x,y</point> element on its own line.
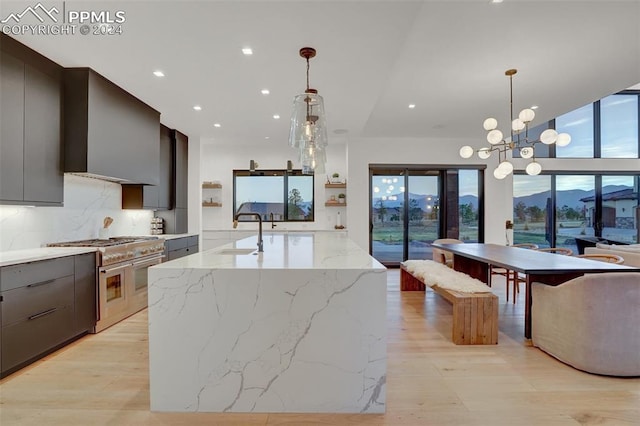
<point>267,340</point>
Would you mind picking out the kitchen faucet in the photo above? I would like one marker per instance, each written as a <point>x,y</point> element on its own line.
<point>235,225</point>
<point>273,225</point>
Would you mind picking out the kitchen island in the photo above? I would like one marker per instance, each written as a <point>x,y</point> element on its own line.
<point>300,327</point>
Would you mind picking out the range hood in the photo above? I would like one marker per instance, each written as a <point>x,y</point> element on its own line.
<point>108,133</point>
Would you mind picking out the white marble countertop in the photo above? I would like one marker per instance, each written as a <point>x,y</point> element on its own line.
<point>14,257</point>
<point>322,250</point>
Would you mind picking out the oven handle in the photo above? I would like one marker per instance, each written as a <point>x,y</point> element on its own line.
<point>107,270</point>
<point>154,259</point>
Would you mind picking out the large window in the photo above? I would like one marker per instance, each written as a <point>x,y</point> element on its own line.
<point>619,118</point>
<point>585,207</point>
<point>279,195</point>
<point>608,128</point>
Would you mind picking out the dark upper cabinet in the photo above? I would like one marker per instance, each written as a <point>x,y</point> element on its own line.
<point>181,147</point>
<point>108,132</point>
<point>156,197</point>
<point>11,127</point>
<point>175,220</point>
<point>30,127</point>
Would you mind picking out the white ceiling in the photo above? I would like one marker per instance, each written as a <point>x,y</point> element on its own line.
<point>374,58</point>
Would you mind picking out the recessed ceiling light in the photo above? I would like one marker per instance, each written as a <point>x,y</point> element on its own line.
<point>276,116</point>
<point>265,91</point>
<point>158,73</point>
<point>496,1</point>
<point>197,107</point>
<point>534,106</point>
<point>247,51</point>
<point>216,125</point>
<point>412,106</point>
<point>266,137</point>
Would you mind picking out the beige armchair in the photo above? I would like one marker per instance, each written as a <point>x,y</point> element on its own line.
<point>443,256</point>
<point>590,322</point>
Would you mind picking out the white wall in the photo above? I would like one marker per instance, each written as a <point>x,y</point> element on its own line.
<point>86,203</point>
<point>217,162</point>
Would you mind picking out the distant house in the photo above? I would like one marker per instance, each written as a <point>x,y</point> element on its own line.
<point>618,209</point>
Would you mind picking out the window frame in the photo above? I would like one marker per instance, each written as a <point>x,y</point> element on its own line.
<point>285,193</point>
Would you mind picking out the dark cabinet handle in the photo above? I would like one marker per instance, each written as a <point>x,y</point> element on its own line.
<point>42,314</point>
<point>41,283</point>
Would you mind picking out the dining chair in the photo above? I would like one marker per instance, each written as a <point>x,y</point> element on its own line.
<point>512,277</point>
<point>558,250</point>
<point>610,258</point>
<point>443,256</point>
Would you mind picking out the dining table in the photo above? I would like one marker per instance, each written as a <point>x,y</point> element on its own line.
<point>474,259</point>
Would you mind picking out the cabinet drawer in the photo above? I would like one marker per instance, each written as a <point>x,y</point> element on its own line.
<point>27,339</point>
<point>177,243</point>
<point>36,272</point>
<point>192,241</point>
<point>23,303</point>
<point>175,254</point>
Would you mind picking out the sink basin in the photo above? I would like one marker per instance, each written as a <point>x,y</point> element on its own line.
<point>237,251</point>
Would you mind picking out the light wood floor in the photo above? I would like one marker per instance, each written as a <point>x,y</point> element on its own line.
<point>103,380</point>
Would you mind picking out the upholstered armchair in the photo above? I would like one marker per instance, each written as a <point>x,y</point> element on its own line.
<point>590,322</point>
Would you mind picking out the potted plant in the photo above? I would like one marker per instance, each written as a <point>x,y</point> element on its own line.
<point>335,178</point>
<point>341,198</point>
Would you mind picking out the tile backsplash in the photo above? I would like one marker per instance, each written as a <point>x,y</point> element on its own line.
<point>87,202</point>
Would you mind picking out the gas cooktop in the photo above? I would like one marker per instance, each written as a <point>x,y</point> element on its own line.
<point>114,241</point>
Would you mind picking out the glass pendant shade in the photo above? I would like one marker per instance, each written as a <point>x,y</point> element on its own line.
<point>517,125</point>
<point>505,167</point>
<point>308,122</point>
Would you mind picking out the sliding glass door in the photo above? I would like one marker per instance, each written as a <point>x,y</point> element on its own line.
<point>410,207</point>
<point>387,217</point>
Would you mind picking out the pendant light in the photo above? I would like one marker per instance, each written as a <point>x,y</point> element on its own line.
<point>308,132</point>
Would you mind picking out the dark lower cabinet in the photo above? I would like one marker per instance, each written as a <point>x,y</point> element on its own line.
<point>179,247</point>
<point>43,305</point>
<point>85,292</point>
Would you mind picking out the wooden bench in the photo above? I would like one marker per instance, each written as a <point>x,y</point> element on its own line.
<point>475,315</point>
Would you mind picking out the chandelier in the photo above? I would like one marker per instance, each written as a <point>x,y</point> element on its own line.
<point>308,125</point>
<point>519,139</point>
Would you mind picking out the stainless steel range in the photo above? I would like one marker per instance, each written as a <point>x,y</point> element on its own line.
<point>121,274</point>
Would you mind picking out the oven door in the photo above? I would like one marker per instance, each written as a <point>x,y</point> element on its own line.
<point>137,290</point>
<point>112,294</point>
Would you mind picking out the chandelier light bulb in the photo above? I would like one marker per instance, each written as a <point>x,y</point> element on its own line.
<point>517,125</point>
<point>527,115</point>
<point>564,139</point>
<point>490,124</point>
<point>533,169</point>
<point>505,167</point>
<point>494,137</point>
<point>526,152</point>
<point>499,174</point>
<point>549,136</point>
<point>466,151</point>
<point>484,153</point>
